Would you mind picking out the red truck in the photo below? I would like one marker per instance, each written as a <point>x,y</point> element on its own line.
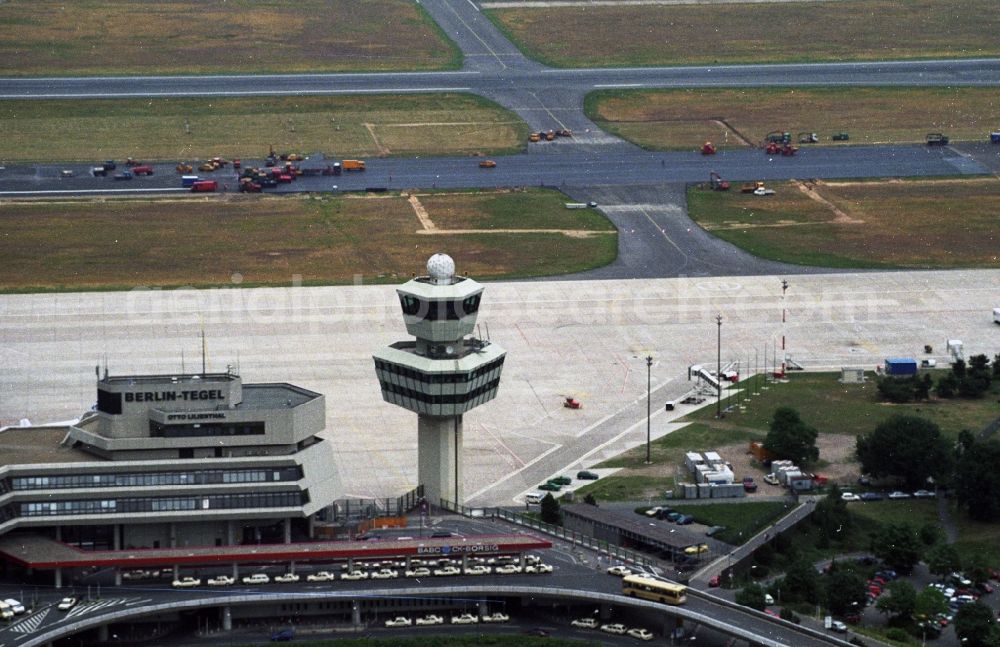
<point>142,169</point>
<point>204,186</point>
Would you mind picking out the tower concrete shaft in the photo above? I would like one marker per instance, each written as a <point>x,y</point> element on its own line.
<point>439,464</point>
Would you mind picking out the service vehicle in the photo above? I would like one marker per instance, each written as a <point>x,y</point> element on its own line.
<point>399,621</point>
<point>204,186</point>
<point>287,578</point>
<point>464,619</point>
<point>617,629</point>
<point>353,165</point>
<point>585,623</point>
<point>221,580</point>
<point>647,588</point>
<point>641,634</point>
<point>256,578</point>
<point>186,583</point>
<point>487,164</point>
<point>142,169</point>
<point>496,618</point>
<point>66,604</point>
<point>188,180</point>
<point>429,620</point>
<point>587,475</point>
<point>533,497</point>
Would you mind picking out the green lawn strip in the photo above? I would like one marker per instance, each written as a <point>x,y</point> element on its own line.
<point>626,488</point>
<point>274,241</point>
<point>105,37</point>
<point>489,640</point>
<point>747,33</point>
<point>672,119</point>
<point>522,209</point>
<point>669,449</point>
<point>834,408</point>
<point>742,520</point>
<point>247,127</point>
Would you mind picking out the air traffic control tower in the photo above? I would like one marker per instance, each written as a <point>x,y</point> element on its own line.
<point>442,374</point>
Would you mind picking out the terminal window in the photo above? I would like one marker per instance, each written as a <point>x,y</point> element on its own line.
<point>160,430</point>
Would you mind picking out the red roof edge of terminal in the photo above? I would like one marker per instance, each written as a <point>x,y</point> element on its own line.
<point>30,552</point>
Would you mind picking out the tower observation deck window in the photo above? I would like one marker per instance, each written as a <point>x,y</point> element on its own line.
<point>439,310</point>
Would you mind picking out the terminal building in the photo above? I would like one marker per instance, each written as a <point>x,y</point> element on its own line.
<point>169,461</point>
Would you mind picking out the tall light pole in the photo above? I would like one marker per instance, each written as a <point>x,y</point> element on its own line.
<point>649,369</point>
<point>784,353</point>
<point>718,369</point>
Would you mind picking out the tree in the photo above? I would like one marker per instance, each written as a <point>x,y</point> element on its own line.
<point>752,595</point>
<point>996,366</point>
<point>896,389</point>
<point>943,559</point>
<point>947,385</point>
<point>977,378</point>
<point>977,480</point>
<point>791,438</point>
<point>898,545</point>
<point>590,499</point>
<point>977,568</point>
<point>801,583</point>
<point>901,600</point>
<point>831,514</point>
<point>929,603</point>
<point>845,592</point>
<point>922,387</point>
<point>931,534</point>
<point>908,447</point>
<point>974,625</point>
<point>549,509</point>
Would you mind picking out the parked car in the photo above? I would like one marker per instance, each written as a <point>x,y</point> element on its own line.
<point>283,635</point>
<point>561,480</point>
<point>66,604</point>
<point>839,627</point>
<point>620,571</point>
<point>538,568</point>
<point>871,496</point>
<point>385,574</point>
<point>464,619</point>
<point>714,581</point>
<point>399,621</point>
<point>322,576</point>
<point>15,606</point>
<point>641,634</point>
<point>614,629</point>
<point>507,569</point>
<point>420,571</point>
<point>586,475</point>
<point>287,578</point>
<point>256,578</point>
<point>923,494</point>
<point>430,620</point>
<point>186,583</point>
<point>652,512</point>
<point>585,623</point>
<point>354,575</point>
<point>548,486</point>
<point>496,617</point>
<point>447,570</point>
<point>478,569</point>
<point>899,495</point>
<point>684,520</point>
<point>748,484</point>
<point>771,479</point>
<point>849,496</point>
<point>221,580</point>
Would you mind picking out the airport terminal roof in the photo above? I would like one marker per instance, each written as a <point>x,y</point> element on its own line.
<point>666,535</point>
<point>32,445</point>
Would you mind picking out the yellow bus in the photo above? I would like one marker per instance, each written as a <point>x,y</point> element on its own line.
<point>637,586</point>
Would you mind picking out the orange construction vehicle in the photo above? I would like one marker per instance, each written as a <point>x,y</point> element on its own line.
<point>353,165</point>
<point>487,164</point>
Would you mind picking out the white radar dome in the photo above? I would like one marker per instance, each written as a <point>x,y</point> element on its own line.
<point>441,268</point>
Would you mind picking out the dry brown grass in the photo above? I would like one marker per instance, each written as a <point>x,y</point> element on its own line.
<point>664,119</point>
<point>612,36</point>
<point>50,37</point>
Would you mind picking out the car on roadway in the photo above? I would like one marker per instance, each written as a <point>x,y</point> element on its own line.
<point>585,623</point>
<point>287,578</point>
<point>620,571</point>
<point>186,583</point>
<point>385,574</point>
<point>420,571</point>
<point>221,580</point>
<point>15,606</point>
<point>838,626</point>
<point>587,475</point>
<point>849,496</point>
<point>256,578</point>
<point>464,619</point>
<point>923,494</point>
<point>714,530</point>
<point>714,581</point>
<point>66,173</point>
<point>478,569</point>
<point>871,496</point>
<point>899,495</point>
<point>399,621</point>
<point>354,575</point>
<point>507,569</point>
<point>768,599</point>
<point>496,617</point>
<point>641,634</point>
<point>66,604</point>
<point>283,635</point>
<point>429,620</point>
<point>322,576</point>
<point>538,568</point>
<point>447,570</point>
<point>614,629</point>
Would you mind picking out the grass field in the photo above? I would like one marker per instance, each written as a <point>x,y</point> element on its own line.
<point>670,449</point>
<point>910,224</point>
<point>685,119</point>
<point>477,640</point>
<point>591,36</point>
<point>742,520</point>
<point>120,244</point>
<point>88,37</point>
<point>186,129</point>
<point>626,488</point>
<point>847,409</point>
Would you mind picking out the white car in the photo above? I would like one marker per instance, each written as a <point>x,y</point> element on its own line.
<point>614,629</point>
<point>899,495</point>
<point>585,623</point>
<point>401,621</point>
<point>849,496</point>
<point>532,559</point>
<point>538,568</point>
<point>447,570</point>
<point>771,479</point>
<point>620,571</point>
<point>497,617</point>
<point>477,570</point>
<point>221,580</point>
<point>652,512</point>
<point>16,607</point>
<point>66,604</point>
<point>923,494</point>
<point>838,626</point>
<point>507,569</point>
<point>256,578</point>
<point>430,620</point>
<point>322,576</point>
<point>641,634</point>
<point>186,583</point>
<point>287,578</point>
<point>464,619</point>
<point>385,574</point>
<point>419,572</point>
<point>135,575</point>
<point>354,575</point>
<point>768,599</point>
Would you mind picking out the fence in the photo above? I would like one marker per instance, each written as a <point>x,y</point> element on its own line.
<point>571,536</point>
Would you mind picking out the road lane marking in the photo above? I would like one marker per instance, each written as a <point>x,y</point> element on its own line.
<point>225,93</point>
<point>94,191</point>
